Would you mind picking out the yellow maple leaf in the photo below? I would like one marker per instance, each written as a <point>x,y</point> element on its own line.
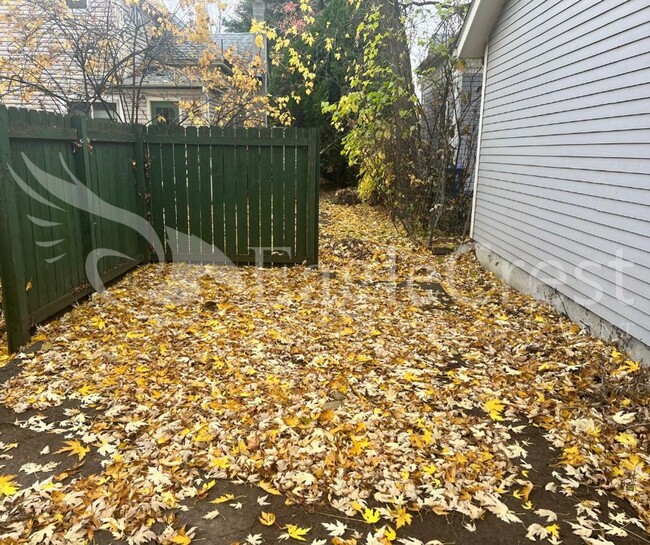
<point>617,356</point>
<point>630,366</point>
<point>181,538</point>
<point>98,322</point>
<point>632,462</point>
<point>430,469</point>
<point>224,498</point>
<point>268,487</point>
<point>207,486</point>
<point>403,518</point>
<point>494,407</point>
<point>8,486</point>
<point>74,447</point>
<point>220,463</point>
<point>626,439</point>
<point>267,519</point>
<point>390,534</point>
<point>572,456</point>
<point>371,515</point>
<point>553,529</point>
<point>86,389</point>
<point>296,532</point>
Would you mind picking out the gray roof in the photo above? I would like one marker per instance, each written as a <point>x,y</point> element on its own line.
<point>168,72</point>
<point>243,43</point>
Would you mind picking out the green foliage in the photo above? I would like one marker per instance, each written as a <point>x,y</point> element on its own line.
<point>377,114</point>
<point>344,65</point>
<point>328,46</point>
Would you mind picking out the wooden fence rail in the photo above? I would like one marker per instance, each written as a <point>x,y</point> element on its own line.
<point>75,193</point>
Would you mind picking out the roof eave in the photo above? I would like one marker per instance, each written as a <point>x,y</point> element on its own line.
<point>477,28</point>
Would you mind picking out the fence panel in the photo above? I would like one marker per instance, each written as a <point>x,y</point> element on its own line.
<point>113,178</point>
<point>50,223</point>
<point>241,194</point>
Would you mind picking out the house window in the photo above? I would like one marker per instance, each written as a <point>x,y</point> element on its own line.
<point>79,108</point>
<point>77,4</point>
<point>105,110</point>
<point>97,110</point>
<point>164,112</point>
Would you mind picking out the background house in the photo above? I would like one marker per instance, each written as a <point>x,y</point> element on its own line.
<point>451,94</point>
<point>562,192</point>
<point>118,60</point>
<point>168,86</point>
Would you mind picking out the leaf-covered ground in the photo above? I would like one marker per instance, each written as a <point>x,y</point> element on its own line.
<point>355,403</point>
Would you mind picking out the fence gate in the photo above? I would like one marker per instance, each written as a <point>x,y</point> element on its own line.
<point>244,195</point>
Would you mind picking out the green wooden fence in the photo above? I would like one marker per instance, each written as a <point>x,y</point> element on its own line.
<point>45,239</point>
<point>245,195</point>
<point>210,195</point>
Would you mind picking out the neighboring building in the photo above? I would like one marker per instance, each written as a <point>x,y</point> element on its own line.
<point>165,89</point>
<point>162,82</point>
<point>562,193</point>
<point>451,99</point>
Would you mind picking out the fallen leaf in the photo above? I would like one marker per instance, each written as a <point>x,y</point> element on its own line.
<point>267,519</point>
<point>74,447</point>
<point>8,486</point>
<point>297,532</point>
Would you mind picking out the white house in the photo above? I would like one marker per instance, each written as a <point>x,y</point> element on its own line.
<point>562,183</point>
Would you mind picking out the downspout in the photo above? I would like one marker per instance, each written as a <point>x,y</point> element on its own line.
<point>479,137</point>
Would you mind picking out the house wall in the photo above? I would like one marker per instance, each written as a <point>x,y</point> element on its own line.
<point>563,189</point>
<point>163,94</point>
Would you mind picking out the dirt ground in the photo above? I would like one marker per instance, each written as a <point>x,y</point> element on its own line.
<point>389,396</point>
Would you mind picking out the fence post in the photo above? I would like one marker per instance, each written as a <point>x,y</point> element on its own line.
<point>82,168</point>
<point>313,177</point>
<point>12,267</point>
<point>142,185</point>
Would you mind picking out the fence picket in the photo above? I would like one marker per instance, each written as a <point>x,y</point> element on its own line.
<point>266,194</point>
<point>157,194</point>
<point>180,185</point>
<point>230,197</point>
<point>241,190</point>
<point>290,180</point>
<point>12,262</point>
<point>218,190</point>
<point>205,191</point>
<point>194,197</point>
<point>254,192</point>
<point>278,193</point>
<point>302,189</point>
<point>169,192</point>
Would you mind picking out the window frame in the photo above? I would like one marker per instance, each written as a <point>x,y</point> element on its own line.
<point>172,104</point>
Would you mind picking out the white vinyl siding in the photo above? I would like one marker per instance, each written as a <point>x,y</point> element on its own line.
<point>564,174</point>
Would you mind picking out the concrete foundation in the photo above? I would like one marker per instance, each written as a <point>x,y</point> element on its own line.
<point>594,324</point>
